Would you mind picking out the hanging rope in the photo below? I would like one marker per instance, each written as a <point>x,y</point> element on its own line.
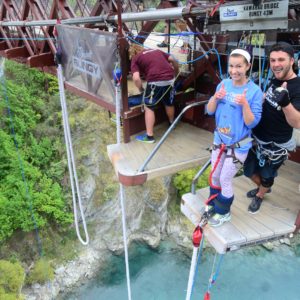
<point>267,79</point>
<point>214,275</point>
<point>192,273</point>
<point>194,264</point>
<point>71,161</point>
<point>117,74</point>
<point>262,70</point>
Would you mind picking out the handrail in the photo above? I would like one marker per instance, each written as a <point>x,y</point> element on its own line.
<point>155,149</point>
<point>196,177</point>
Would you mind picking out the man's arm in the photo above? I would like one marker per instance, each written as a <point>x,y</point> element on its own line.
<point>292,115</point>
<point>174,63</point>
<point>137,81</point>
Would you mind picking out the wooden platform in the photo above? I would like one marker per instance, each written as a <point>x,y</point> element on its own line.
<point>275,219</point>
<point>185,147</point>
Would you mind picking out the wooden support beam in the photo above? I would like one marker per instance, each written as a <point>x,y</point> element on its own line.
<point>4,35</point>
<point>38,11</point>
<point>65,9</point>
<point>41,60</point>
<point>16,52</point>
<point>3,46</point>
<point>91,97</point>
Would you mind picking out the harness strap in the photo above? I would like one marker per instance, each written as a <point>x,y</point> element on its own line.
<point>238,144</point>
<point>222,149</point>
<point>270,156</point>
<point>211,198</point>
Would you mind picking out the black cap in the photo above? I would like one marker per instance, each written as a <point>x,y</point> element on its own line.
<point>283,46</point>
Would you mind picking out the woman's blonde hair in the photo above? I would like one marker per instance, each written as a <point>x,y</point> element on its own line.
<point>135,49</point>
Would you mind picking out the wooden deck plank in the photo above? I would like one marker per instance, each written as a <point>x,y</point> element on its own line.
<point>275,219</point>
<point>280,213</point>
<point>279,219</point>
<point>192,207</point>
<point>243,214</point>
<point>265,222</point>
<point>242,202</point>
<point>186,147</point>
<point>223,237</point>
<point>249,230</point>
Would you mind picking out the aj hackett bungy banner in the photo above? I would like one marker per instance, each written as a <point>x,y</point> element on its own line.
<point>267,15</point>
<point>82,61</point>
<point>88,60</point>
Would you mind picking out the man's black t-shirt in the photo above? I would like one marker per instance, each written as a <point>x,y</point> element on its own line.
<point>273,125</point>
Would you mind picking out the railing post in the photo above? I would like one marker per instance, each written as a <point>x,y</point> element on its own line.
<point>166,134</point>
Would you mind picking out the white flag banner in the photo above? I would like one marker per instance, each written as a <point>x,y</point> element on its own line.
<point>88,60</point>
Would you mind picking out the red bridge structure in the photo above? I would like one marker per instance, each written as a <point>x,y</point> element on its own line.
<point>27,35</point>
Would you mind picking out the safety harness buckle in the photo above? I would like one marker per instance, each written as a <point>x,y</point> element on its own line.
<point>205,217</point>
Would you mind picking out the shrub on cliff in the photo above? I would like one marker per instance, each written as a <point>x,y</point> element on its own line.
<point>11,280</point>
<point>183,180</point>
<point>31,171</point>
<point>41,272</point>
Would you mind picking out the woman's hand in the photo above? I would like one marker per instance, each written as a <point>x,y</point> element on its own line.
<point>220,94</point>
<point>241,98</point>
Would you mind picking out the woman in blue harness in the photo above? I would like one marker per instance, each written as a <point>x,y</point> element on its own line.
<point>237,106</point>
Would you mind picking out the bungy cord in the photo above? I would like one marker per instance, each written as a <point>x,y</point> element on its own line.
<point>71,160</point>
<point>121,187</point>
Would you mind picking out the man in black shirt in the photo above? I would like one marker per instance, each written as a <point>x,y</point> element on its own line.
<point>273,135</point>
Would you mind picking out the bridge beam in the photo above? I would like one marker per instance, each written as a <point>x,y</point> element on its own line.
<point>16,52</point>
<point>41,60</point>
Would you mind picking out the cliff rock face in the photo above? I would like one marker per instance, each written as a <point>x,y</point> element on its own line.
<point>147,216</point>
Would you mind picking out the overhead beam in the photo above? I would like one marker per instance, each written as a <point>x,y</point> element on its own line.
<point>153,15</point>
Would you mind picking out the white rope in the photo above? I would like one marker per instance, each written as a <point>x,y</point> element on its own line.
<point>118,113</point>
<point>212,272</point>
<point>2,62</point>
<point>71,160</point>
<point>192,273</point>
<point>122,194</point>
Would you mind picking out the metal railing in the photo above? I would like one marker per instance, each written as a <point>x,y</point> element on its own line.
<point>196,177</point>
<point>161,141</point>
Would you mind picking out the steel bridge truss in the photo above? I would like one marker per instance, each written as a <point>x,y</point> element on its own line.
<point>35,45</point>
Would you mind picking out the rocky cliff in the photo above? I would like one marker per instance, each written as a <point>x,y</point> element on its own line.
<point>152,210</point>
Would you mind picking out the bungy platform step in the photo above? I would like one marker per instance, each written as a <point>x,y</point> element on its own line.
<point>184,148</point>
<point>277,217</point>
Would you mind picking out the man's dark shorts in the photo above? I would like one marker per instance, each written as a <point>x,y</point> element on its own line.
<point>164,94</point>
<point>251,166</point>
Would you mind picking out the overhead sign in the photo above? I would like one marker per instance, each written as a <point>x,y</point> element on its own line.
<point>267,15</point>
<point>88,60</point>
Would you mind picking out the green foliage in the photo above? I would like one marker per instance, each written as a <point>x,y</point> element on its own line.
<point>183,180</point>
<point>11,280</point>
<point>31,169</point>
<point>160,27</point>
<point>41,272</point>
